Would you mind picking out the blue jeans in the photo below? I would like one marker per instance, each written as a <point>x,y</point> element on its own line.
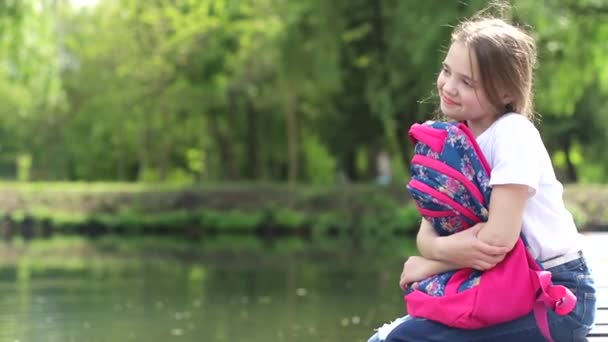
<point>573,327</point>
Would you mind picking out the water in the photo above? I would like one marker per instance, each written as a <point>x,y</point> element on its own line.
<point>221,290</point>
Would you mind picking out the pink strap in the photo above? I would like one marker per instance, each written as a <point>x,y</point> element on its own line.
<point>540,313</point>
<point>435,213</point>
<point>473,142</point>
<point>451,288</point>
<point>451,172</point>
<point>557,297</point>
<point>418,185</point>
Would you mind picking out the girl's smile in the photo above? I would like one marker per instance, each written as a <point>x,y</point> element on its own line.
<point>448,101</point>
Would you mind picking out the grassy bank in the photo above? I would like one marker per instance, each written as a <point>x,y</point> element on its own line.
<point>267,210</point>
<point>44,209</point>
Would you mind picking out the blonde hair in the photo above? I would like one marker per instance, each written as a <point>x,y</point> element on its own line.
<point>506,57</point>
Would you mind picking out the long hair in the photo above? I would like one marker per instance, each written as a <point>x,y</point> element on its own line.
<point>506,57</point>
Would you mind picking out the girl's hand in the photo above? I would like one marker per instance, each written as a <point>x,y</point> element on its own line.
<point>465,250</point>
<point>417,268</point>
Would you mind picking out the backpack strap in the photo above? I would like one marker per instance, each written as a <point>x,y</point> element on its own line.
<point>484,162</point>
<point>556,297</point>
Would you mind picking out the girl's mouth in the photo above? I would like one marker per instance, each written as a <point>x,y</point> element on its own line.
<point>449,101</point>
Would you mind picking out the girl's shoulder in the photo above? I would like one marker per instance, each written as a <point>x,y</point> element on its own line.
<point>514,119</point>
<point>514,123</point>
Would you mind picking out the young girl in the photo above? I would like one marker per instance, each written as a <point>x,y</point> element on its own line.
<point>486,81</point>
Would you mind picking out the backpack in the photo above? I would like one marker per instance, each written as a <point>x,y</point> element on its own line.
<point>450,186</point>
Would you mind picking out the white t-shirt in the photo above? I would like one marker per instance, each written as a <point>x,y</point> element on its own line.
<point>517,155</point>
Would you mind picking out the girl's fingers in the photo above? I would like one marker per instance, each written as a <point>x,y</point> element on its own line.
<point>488,249</point>
<point>482,266</point>
<point>402,282</point>
<point>403,285</point>
<point>490,260</point>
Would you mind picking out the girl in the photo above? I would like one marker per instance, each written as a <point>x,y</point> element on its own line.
<point>486,81</point>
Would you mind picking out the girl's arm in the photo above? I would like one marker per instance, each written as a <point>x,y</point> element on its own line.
<point>507,204</point>
<point>462,249</point>
<point>426,239</point>
<point>479,247</point>
<point>486,244</point>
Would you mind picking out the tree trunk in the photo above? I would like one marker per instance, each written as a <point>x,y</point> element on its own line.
<point>142,150</point>
<point>252,142</point>
<point>228,163</point>
<point>350,166</point>
<point>372,166</point>
<point>571,174</point>
<point>292,135</point>
<point>166,143</point>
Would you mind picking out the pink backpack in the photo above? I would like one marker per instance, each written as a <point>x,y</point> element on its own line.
<point>450,185</point>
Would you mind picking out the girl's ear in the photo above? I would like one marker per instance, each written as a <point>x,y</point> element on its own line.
<point>507,101</point>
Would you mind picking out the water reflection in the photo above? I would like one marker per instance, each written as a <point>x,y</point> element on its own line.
<point>222,290</point>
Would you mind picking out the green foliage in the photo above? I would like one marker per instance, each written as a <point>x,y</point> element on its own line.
<point>328,222</point>
<point>264,90</point>
<point>178,222</point>
<point>24,167</point>
<point>356,211</point>
<point>154,209</point>
<point>320,164</point>
<point>406,216</point>
<point>592,173</point>
<point>285,217</point>
<point>233,220</point>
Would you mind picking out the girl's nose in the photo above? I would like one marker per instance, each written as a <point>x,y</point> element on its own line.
<point>450,87</point>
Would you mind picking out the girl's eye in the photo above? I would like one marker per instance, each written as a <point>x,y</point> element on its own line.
<point>467,83</point>
<point>445,70</point>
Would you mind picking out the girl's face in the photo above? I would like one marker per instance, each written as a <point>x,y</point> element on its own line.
<point>462,95</point>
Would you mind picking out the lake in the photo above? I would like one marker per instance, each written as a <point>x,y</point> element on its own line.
<point>220,289</point>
